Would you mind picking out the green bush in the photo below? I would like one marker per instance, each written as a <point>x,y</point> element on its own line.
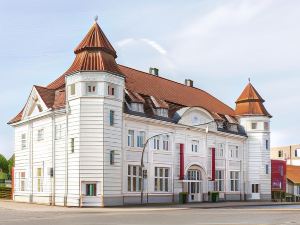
<point>3,164</point>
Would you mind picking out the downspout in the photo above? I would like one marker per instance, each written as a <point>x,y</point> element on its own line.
<point>53,160</point>
<point>66,144</point>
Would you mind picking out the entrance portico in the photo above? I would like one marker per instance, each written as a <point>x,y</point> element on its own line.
<point>195,183</point>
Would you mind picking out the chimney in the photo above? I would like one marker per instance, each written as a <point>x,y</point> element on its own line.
<point>153,71</point>
<point>189,82</point>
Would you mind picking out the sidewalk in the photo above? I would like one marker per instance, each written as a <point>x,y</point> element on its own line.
<point>11,205</point>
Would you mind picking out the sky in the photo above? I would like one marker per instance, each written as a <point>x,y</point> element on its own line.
<point>217,43</point>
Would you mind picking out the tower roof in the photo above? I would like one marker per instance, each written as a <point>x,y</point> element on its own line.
<point>250,103</point>
<point>94,53</point>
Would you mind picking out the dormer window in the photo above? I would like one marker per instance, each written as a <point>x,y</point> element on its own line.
<point>91,88</point>
<point>137,107</point>
<point>162,112</point>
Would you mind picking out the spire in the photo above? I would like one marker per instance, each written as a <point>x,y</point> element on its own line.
<point>250,103</point>
<point>94,53</point>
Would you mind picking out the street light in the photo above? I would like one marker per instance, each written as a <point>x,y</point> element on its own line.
<point>142,162</point>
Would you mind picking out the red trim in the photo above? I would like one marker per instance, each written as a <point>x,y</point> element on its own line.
<point>213,164</point>
<point>181,176</point>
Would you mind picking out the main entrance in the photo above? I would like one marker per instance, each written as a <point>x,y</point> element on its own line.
<point>194,186</point>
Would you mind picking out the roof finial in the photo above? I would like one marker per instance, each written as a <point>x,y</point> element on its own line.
<point>96,18</point>
<point>249,79</point>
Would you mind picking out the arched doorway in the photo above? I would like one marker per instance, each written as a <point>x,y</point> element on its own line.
<point>194,184</point>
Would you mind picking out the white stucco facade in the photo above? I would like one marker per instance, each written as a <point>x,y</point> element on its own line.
<point>89,153</point>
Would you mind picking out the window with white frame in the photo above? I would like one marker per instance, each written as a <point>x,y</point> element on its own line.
<point>39,180</point>
<point>253,126</point>
<point>156,143</point>
<point>72,89</point>
<point>234,151</point>
<point>91,88</point>
<point>91,189</point>
<point>220,150</point>
<point>162,179</point>
<point>112,157</point>
<point>137,107</point>
<point>22,180</point>
<point>72,144</point>
<point>267,169</point>
<point>134,178</point>
<point>58,131</point>
<point>111,90</point>
<point>162,112</point>
<point>23,141</point>
<point>280,153</point>
<point>266,126</point>
<point>165,142</point>
<point>234,181</point>
<point>140,140</point>
<point>255,188</point>
<point>297,152</point>
<point>111,117</point>
<point>219,180</point>
<point>40,135</point>
<point>195,146</point>
<point>130,138</point>
<point>267,144</point>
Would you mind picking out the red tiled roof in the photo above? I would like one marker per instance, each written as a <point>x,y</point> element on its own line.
<point>159,103</point>
<point>250,103</point>
<point>170,91</point>
<point>293,173</point>
<point>134,97</point>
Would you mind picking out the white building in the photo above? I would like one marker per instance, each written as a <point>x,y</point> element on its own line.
<point>79,140</point>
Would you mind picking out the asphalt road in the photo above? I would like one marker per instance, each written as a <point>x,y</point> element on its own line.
<point>194,216</point>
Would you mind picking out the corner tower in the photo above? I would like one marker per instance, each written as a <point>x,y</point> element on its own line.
<point>255,119</point>
<point>95,88</point>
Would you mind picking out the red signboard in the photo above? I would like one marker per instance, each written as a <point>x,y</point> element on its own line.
<point>278,175</point>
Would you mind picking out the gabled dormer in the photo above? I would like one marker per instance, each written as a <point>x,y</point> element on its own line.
<point>134,101</point>
<point>161,107</point>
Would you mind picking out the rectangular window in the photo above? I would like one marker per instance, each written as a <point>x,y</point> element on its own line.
<point>195,146</point>
<point>253,126</point>
<point>23,141</point>
<point>162,112</point>
<point>40,135</point>
<point>298,190</point>
<point>166,142</point>
<point>162,179</point>
<point>280,153</point>
<point>39,180</point>
<point>297,152</point>
<point>91,88</point>
<point>267,169</point>
<point>220,151</point>
<point>72,89</point>
<point>111,117</point>
<point>111,90</point>
<point>134,178</point>
<point>112,157</point>
<point>130,138</point>
<point>58,131</point>
<point>234,181</point>
<point>234,151</point>
<point>156,143</point>
<point>140,139</point>
<point>137,107</point>
<point>255,188</point>
<point>219,180</point>
<point>72,145</point>
<point>91,190</point>
<point>266,126</point>
<point>22,181</point>
<point>267,144</point>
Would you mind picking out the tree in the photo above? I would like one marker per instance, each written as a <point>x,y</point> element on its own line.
<point>11,164</point>
<point>3,164</point>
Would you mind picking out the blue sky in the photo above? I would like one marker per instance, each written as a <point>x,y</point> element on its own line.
<point>218,44</point>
